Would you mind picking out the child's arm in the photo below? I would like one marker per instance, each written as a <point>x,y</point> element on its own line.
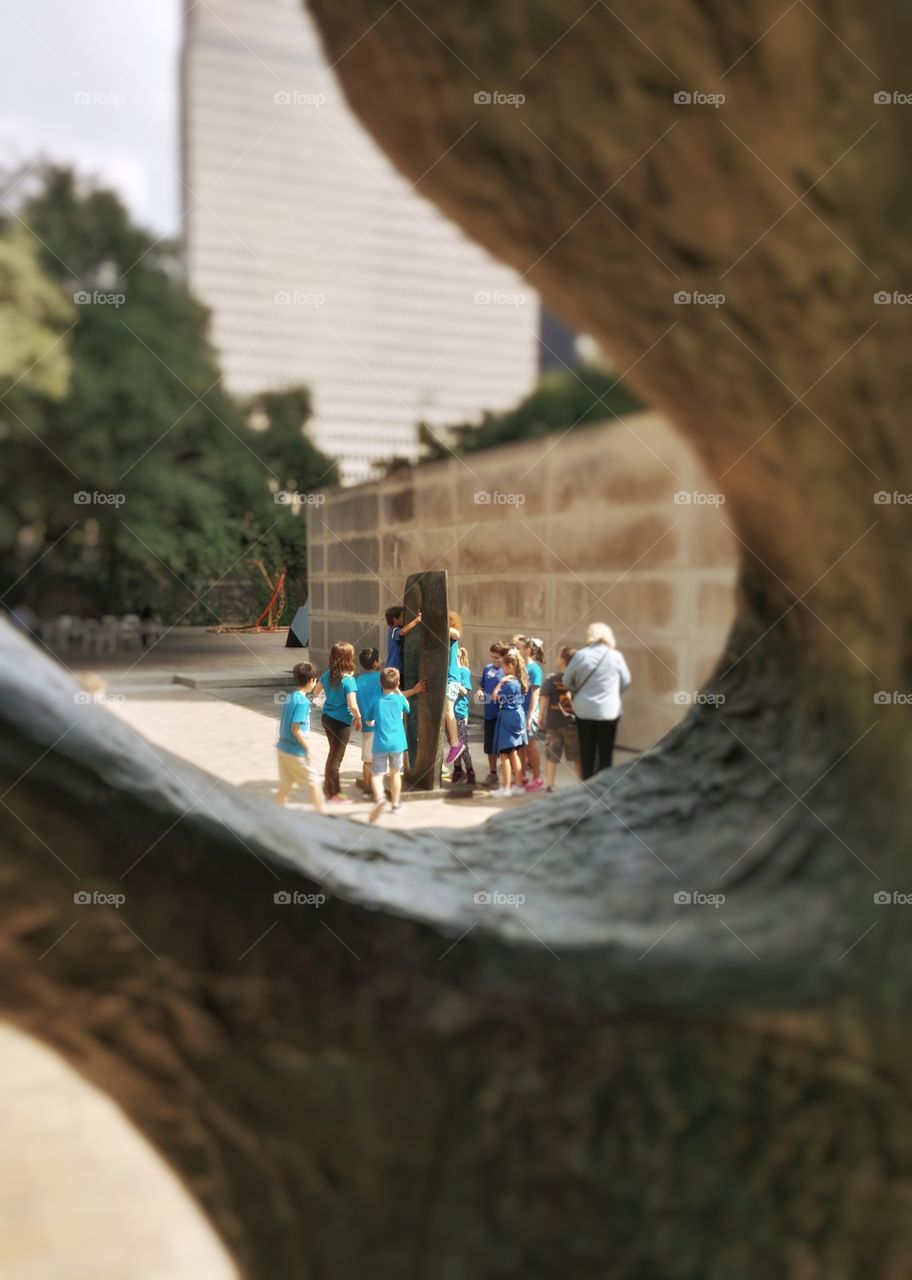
<point>403,631</point>
<point>533,704</point>
<point>496,690</point>
<point>299,735</point>
<point>416,688</point>
<point>352,701</point>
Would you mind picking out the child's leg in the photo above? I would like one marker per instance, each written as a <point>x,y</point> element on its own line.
<point>504,770</point>
<point>376,783</point>
<point>395,777</point>
<point>533,759</point>
<point>282,795</point>
<point>550,771</point>
<point>449,716</point>
<point>462,727</point>
<point>517,769</point>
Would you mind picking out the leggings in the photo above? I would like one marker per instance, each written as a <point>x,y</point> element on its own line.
<point>596,744</point>
<point>465,760</point>
<point>337,736</point>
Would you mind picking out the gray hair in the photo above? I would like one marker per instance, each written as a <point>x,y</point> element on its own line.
<point>601,633</point>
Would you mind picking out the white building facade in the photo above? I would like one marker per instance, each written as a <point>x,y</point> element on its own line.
<point>318,261</point>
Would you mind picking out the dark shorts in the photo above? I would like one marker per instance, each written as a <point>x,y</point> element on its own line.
<point>489,727</point>
<point>563,739</point>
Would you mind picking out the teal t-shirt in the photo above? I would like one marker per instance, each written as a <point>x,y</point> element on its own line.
<point>535,679</point>
<point>368,683</point>
<point>453,662</point>
<point>295,710</point>
<point>336,706</point>
<point>461,705</point>
<point>389,728</point>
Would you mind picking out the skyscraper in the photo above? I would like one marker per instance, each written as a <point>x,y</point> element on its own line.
<point>320,263</point>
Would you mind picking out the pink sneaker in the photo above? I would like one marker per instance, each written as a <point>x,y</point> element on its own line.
<point>535,784</point>
<point>454,753</point>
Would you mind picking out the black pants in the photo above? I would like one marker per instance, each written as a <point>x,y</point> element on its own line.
<point>596,744</point>
<point>337,736</point>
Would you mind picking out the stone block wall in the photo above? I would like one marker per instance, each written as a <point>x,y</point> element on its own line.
<point>613,523</point>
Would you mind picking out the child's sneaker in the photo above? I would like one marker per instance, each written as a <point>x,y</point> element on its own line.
<point>454,753</point>
<point>338,799</point>
<point>535,784</point>
<point>396,808</point>
<point>458,775</point>
<point>501,793</point>
<point>470,777</point>
<point>518,791</point>
<point>377,810</point>
<point>491,780</point>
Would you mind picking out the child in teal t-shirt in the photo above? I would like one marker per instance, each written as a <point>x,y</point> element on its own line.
<point>463,771</point>
<point>390,742</point>
<point>368,683</point>
<point>292,744</point>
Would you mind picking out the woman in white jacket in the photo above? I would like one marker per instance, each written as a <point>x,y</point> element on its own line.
<point>596,676</point>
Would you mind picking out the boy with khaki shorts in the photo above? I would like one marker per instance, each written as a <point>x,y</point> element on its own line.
<point>561,735</point>
<point>292,746</point>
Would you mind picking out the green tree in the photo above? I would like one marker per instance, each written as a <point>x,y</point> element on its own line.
<point>146,474</point>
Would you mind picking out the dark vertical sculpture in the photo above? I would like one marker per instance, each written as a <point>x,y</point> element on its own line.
<point>425,656</point>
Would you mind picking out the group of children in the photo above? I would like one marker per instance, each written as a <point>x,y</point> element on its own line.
<point>516,698</point>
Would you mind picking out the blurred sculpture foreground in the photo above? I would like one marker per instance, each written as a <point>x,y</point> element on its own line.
<point>609,1082</point>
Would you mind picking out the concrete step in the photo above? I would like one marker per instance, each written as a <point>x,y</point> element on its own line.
<point>236,678</point>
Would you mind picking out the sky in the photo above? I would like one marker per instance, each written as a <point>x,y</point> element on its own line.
<point>95,83</point>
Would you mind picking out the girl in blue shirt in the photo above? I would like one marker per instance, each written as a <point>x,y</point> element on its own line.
<point>510,734</point>
<point>490,678</point>
<point>461,712</point>
<point>340,714</point>
<point>532,651</point>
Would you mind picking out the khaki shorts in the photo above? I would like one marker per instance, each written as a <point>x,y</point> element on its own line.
<point>294,771</point>
<point>557,741</point>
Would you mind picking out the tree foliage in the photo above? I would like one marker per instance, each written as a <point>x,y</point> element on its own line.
<point>146,474</point>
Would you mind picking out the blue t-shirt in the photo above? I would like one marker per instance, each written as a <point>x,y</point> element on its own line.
<point>368,683</point>
<point>296,710</point>
<point>394,648</point>
<point>336,705</point>
<point>461,705</point>
<point>535,679</point>
<point>490,677</point>
<point>389,729</point>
